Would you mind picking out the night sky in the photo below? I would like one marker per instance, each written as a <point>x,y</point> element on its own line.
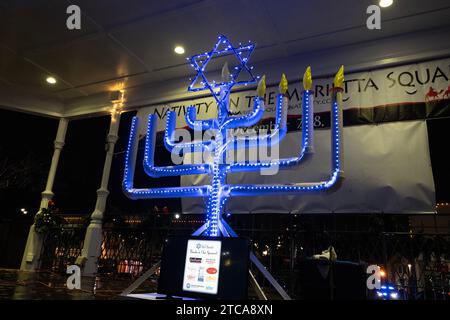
<point>80,166</point>
<point>26,148</point>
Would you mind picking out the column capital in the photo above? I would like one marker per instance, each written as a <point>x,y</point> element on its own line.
<point>102,193</point>
<point>47,195</point>
<point>59,144</point>
<point>96,217</point>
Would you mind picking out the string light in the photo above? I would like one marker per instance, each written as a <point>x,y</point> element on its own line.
<point>129,168</point>
<point>199,63</point>
<point>149,154</point>
<point>118,102</point>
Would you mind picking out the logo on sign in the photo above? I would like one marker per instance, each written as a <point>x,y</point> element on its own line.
<point>190,277</point>
<point>211,270</point>
<point>211,278</point>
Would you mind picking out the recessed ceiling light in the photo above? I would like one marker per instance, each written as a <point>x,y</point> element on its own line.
<point>51,80</point>
<point>386,3</point>
<point>179,50</point>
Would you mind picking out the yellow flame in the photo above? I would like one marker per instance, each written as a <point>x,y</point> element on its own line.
<point>307,79</point>
<point>261,89</point>
<point>339,78</point>
<point>283,84</point>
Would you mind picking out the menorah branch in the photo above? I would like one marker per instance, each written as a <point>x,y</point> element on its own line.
<point>280,125</point>
<point>336,163</point>
<point>169,138</point>
<point>140,193</point>
<point>193,123</point>
<point>277,133</point>
<point>247,120</point>
<point>149,155</point>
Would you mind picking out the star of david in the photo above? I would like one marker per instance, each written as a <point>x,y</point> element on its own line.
<point>221,48</point>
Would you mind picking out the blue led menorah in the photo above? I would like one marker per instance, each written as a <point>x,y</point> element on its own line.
<point>218,191</point>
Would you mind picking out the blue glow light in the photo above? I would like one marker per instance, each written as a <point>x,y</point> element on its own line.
<point>218,192</point>
<point>200,61</point>
<point>129,168</point>
<point>149,154</point>
<point>387,292</point>
<point>193,123</point>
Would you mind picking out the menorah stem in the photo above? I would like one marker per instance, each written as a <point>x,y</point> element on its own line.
<point>216,198</point>
<point>222,108</point>
<point>214,205</point>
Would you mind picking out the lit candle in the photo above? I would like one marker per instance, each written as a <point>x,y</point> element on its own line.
<point>261,89</point>
<point>283,87</point>
<point>308,110</point>
<point>338,88</point>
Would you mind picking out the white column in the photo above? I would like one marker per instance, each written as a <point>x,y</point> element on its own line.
<point>93,239</point>
<point>31,255</point>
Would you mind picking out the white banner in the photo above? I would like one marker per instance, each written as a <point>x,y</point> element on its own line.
<point>427,81</point>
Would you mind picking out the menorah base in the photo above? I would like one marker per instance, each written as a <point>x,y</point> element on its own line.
<point>226,231</point>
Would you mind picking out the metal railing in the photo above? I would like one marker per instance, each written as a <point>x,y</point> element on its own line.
<point>414,250</point>
<point>61,247</point>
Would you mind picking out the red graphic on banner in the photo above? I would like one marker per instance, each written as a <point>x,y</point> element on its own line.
<point>432,94</point>
<point>446,93</point>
